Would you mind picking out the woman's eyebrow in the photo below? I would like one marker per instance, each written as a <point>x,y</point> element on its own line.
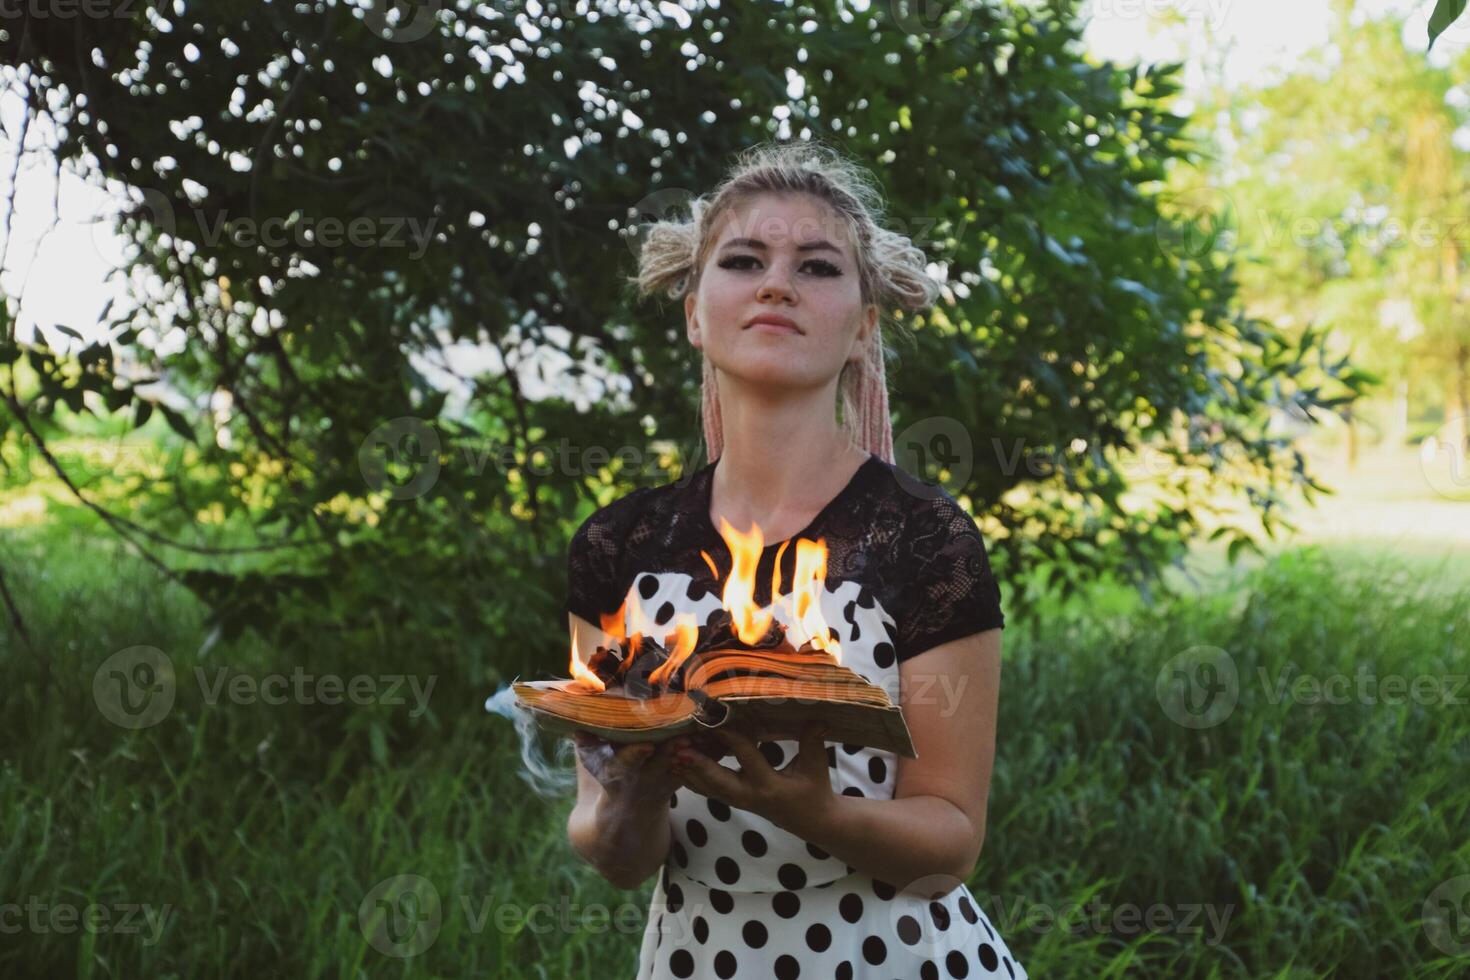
<point>758,244</point>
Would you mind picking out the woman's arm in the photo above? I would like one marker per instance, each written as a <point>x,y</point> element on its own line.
<point>625,838</point>
<point>935,823</point>
<point>620,823</point>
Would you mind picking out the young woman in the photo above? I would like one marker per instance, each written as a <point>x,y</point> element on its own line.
<point>799,857</point>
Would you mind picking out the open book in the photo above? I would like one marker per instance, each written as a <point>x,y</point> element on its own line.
<point>765,694</point>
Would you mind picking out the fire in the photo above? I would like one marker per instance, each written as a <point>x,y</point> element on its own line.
<point>810,582</point>
<point>750,622</point>
<point>686,633</point>
<point>739,595</point>
<point>580,671</point>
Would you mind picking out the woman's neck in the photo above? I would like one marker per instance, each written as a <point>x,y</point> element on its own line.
<point>782,461</point>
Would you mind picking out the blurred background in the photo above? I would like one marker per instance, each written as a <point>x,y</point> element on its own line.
<point>317,345</point>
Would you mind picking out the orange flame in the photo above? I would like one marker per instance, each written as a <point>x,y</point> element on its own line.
<point>581,673</point>
<point>810,580</point>
<point>739,595</point>
<point>612,623</point>
<point>750,623</point>
<point>686,634</point>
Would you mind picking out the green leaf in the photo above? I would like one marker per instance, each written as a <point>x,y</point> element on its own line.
<point>178,423</point>
<point>1445,12</point>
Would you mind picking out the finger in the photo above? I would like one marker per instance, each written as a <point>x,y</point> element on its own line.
<point>710,778</point>
<point>662,756</point>
<point>811,750</point>
<point>634,755</point>
<point>743,746</point>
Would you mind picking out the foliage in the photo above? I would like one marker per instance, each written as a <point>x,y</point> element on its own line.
<point>495,158</point>
<point>1348,185</point>
<point>1313,832</point>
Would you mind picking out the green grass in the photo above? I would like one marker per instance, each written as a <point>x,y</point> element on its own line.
<point>1313,833</point>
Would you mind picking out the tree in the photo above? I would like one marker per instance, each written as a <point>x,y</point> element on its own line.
<point>494,159</point>
<point>1351,193</point>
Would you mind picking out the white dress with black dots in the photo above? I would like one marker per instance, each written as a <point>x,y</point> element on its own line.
<point>737,895</point>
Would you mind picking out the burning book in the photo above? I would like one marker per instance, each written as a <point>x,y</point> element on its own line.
<point>740,669</point>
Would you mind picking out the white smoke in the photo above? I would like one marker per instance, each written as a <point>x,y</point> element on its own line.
<point>549,778</point>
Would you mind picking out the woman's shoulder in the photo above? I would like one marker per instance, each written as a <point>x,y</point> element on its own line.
<point>641,506</point>
<point>924,510</point>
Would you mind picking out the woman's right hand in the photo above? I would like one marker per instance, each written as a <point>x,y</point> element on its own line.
<point>636,772</point>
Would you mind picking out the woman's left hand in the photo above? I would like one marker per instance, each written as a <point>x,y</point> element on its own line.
<point>802,789</point>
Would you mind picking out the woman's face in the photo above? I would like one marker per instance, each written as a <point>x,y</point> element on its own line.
<point>783,256</point>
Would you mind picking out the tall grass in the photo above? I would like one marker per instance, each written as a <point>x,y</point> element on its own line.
<point>1290,839</point>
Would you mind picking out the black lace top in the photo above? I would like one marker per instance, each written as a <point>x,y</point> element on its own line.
<point>906,566</point>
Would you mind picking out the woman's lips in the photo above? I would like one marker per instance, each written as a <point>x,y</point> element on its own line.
<point>772,321</point>
<point>765,326</point>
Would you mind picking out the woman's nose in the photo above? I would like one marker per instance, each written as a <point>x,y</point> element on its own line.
<point>776,287</point>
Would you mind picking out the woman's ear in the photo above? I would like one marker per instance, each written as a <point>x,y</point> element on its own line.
<point>691,323</point>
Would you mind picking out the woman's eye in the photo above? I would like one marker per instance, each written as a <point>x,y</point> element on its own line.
<point>820,267</point>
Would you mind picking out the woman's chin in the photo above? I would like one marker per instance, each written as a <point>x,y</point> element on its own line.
<point>774,372</point>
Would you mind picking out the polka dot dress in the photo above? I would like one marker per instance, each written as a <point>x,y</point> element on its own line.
<point>737,895</point>
<point>741,897</point>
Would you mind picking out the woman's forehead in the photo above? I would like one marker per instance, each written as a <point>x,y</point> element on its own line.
<point>782,221</point>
